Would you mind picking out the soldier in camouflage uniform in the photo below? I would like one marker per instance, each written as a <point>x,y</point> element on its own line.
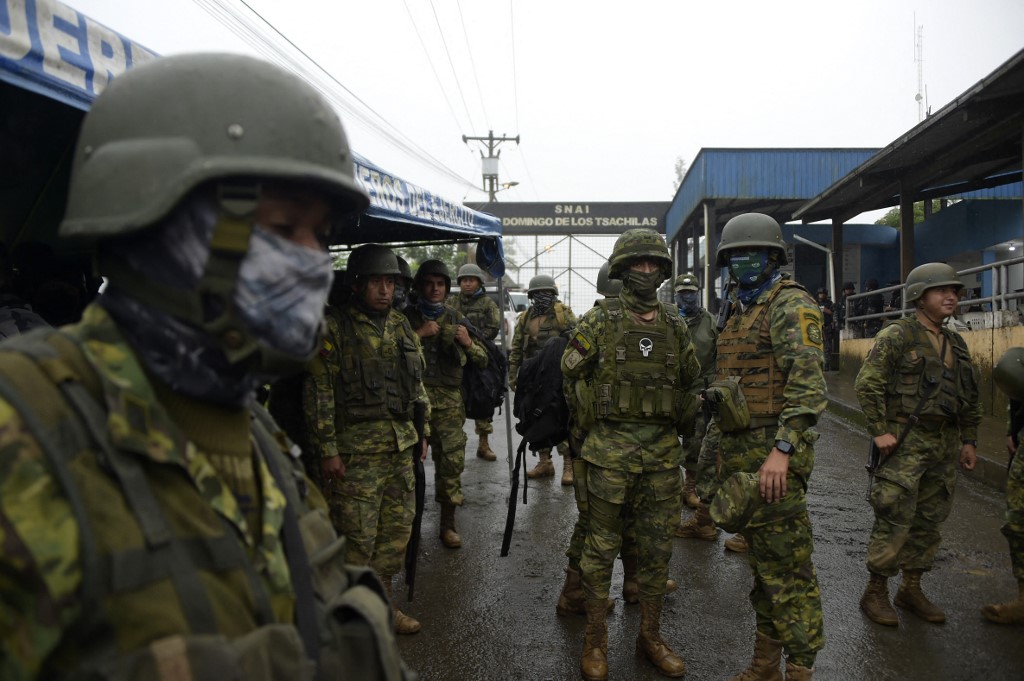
<point>917,365</point>
<point>1008,374</point>
<point>632,361</point>
<point>447,347</point>
<point>358,399</point>
<point>770,352</point>
<point>473,303</point>
<point>159,531</point>
<point>546,318</point>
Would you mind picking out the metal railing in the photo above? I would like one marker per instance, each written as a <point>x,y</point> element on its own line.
<point>999,300</point>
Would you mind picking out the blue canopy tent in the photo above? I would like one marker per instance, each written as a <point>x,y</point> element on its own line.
<point>55,60</point>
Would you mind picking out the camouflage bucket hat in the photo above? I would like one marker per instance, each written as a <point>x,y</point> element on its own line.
<point>736,501</point>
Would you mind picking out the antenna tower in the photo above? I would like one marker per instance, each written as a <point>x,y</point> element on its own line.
<point>919,60</point>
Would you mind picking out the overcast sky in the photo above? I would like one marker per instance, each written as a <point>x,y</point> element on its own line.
<point>606,95</point>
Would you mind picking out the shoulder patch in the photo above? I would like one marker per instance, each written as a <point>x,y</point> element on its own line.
<point>810,328</point>
<point>326,348</point>
<point>580,344</point>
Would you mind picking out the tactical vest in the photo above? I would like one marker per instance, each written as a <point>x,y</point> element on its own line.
<point>922,373</point>
<point>637,367</point>
<point>702,335</point>
<point>166,582</point>
<point>376,384</point>
<point>745,350</point>
<point>537,330</point>
<point>444,366</point>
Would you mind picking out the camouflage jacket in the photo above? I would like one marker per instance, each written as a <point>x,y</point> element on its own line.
<point>888,382</point>
<point>42,535</point>
<point>480,310</point>
<point>703,334</point>
<point>630,447</point>
<point>447,350</point>
<point>326,436</point>
<point>532,331</point>
<point>794,335</point>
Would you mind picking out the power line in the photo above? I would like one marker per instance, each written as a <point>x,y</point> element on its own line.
<point>515,77</point>
<point>472,61</point>
<point>455,75</point>
<point>430,61</point>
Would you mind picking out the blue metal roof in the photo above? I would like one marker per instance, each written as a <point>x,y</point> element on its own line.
<point>759,176</point>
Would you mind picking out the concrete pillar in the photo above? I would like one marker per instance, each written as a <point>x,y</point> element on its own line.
<point>710,266</point>
<point>906,232</point>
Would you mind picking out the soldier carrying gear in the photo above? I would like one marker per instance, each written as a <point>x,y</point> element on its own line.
<point>473,303</point>
<point>917,381</point>
<point>703,335</point>
<point>211,213</point>
<point>546,318</point>
<point>359,398</point>
<point>1008,374</point>
<point>770,358</point>
<point>447,347</point>
<point>631,362</point>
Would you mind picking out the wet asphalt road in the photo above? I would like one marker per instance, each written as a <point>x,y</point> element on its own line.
<point>487,617</point>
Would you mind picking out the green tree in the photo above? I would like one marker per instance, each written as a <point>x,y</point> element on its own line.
<point>681,167</point>
<point>892,218</point>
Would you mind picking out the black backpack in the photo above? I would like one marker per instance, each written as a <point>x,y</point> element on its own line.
<point>540,407</point>
<point>483,389</point>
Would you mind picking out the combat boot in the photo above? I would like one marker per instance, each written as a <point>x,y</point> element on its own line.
<point>544,467</point>
<point>737,543</point>
<point>765,664</point>
<point>795,672</point>
<point>875,602</point>
<point>572,600</point>
<point>690,497</point>
<point>484,451</point>
<point>403,623</point>
<point>567,471</point>
<point>1007,613</point>
<point>449,536</point>
<point>594,661</point>
<point>653,646</point>
<point>910,597</point>
<point>699,526</point>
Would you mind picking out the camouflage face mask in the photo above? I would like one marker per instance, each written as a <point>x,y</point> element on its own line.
<point>748,268</point>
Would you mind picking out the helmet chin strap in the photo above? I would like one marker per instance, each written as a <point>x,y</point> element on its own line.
<point>920,308</point>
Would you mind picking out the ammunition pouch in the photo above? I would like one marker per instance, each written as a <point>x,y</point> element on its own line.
<point>728,406</point>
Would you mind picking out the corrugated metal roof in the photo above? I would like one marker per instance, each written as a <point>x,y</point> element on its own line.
<point>773,181</point>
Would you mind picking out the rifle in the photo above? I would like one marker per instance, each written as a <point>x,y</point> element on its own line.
<point>412,549</point>
<point>874,459</point>
<point>724,312</point>
<point>510,518</point>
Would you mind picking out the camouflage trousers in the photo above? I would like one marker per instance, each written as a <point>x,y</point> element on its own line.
<point>373,508</point>
<point>1013,528</point>
<point>651,503</point>
<point>483,426</point>
<point>912,496</point>
<point>785,594</point>
<point>692,445</point>
<point>448,452</point>
<point>579,531</point>
<point>707,462</point>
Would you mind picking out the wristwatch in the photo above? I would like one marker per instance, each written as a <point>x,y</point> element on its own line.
<point>784,447</point>
<point>973,443</point>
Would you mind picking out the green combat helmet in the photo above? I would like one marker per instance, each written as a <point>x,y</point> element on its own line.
<point>434,267</point>
<point>638,243</point>
<point>686,282</point>
<point>1008,373</point>
<point>404,270</point>
<point>606,286</point>
<point>371,259</point>
<point>471,270</point>
<point>750,231</point>
<point>736,501</point>
<point>930,275</point>
<point>542,282</point>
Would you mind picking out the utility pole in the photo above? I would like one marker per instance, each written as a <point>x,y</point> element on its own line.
<point>489,163</point>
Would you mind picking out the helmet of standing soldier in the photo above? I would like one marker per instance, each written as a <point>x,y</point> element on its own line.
<point>404,270</point>
<point>686,282</point>
<point>167,126</point>
<point>606,286</point>
<point>542,282</point>
<point>736,501</point>
<point>369,260</point>
<point>751,231</point>
<point>930,275</point>
<point>1008,373</point>
<point>635,244</point>
<point>436,267</point>
<point>470,270</point>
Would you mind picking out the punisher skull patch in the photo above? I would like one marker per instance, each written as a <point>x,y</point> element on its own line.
<point>646,345</point>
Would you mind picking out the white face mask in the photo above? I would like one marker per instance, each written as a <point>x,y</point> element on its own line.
<point>281,292</point>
